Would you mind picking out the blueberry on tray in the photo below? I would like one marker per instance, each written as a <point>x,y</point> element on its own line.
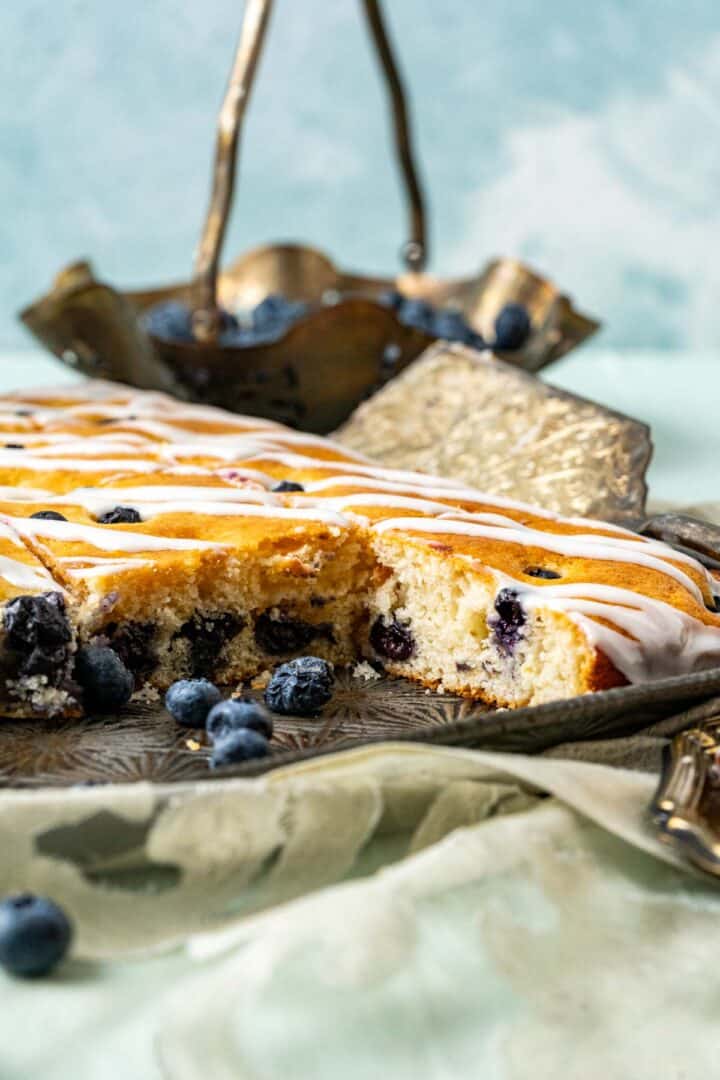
<point>300,687</point>
<point>236,714</point>
<point>239,745</point>
<point>190,700</point>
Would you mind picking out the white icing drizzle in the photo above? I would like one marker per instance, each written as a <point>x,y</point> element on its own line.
<point>107,538</point>
<point>663,641</point>
<point>188,498</point>
<point>103,567</point>
<point>27,460</point>
<point>24,576</point>
<point>234,448</point>
<point>581,546</point>
<point>20,494</point>
<point>302,462</point>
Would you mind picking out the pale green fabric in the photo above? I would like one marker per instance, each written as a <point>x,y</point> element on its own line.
<point>484,929</point>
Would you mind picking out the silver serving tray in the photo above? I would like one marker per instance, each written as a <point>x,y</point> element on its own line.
<point>146,744</point>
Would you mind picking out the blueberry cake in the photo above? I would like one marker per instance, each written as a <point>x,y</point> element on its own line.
<point>196,543</point>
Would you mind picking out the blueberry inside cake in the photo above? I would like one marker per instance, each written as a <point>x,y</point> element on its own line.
<point>190,542</point>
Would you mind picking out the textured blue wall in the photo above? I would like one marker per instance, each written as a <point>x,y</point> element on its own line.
<point>584,137</point>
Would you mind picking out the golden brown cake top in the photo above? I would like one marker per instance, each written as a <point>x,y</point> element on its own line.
<point>200,480</point>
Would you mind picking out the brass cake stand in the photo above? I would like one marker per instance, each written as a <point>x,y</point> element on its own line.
<point>298,378</point>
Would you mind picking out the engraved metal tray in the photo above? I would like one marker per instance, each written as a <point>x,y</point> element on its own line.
<point>567,442</point>
<point>146,744</point>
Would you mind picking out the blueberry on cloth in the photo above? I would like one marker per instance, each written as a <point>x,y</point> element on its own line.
<point>107,684</point>
<point>240,744</point>
<point>512,327</point>
<point>49,515</point>
<point>392,640</point>
<point>234,714</point>
<point>190,700</point>
<point>120,515</point>
<point>288,485</point>
<point>34,934</point>
<point>300,687</point>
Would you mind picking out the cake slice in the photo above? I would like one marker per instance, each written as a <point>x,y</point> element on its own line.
<point>221,580</point>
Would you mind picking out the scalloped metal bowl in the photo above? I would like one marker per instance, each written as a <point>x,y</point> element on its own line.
<point>323,366</point>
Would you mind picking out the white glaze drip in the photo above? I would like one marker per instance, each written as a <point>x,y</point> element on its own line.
<point>664,640</point>
<point>23,576</point>
<point>107,538</point>
<point>578,546</point>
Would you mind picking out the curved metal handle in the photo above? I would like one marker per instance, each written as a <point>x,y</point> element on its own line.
<point>675,808</point>
<point>415,250</point>
<point>206,314</point>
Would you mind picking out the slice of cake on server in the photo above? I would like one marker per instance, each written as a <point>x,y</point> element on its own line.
<point>195,542</point>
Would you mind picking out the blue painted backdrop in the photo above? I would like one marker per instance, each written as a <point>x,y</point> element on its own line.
<point>583,137</point>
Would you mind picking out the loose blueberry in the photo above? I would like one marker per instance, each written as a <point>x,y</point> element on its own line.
<point>270,312</point>
<point>288,485</point>
<point>451,326</point>
<point>107,684</point>
<point>241,744</point>
<point>541,572</point>
<point>14,446</point>
<point>391,298</point>
<point>38,629</point>
<point>35,934</point>
<point>49,515</point>
<point>120,515</point>
<point>282,635</point>
<point>275,313</point>
<point>391,354</point>
<point>171,321</point>
<point>190,700</point>
<point>234,714</point>
<point>512,327</point>
<point>508,624</point>
<point>476,341</point>
<point>23,412</point>
<point>392,640</point>
<point>417,314</point>
<point>300,687</point>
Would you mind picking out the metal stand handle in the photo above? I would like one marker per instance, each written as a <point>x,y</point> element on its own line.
<point>206,315</point>
<point>415,250</point>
